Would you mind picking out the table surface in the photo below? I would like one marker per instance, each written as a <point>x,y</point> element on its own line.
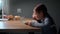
<point>16,25</point>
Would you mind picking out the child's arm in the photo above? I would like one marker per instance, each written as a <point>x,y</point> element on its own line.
<point>36,24</point>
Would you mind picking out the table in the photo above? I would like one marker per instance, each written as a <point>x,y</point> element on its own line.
<point>16,26</point>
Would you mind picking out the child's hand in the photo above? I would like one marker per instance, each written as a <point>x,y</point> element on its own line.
<point>28,23</point>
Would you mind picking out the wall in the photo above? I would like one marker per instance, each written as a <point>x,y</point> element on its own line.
<point>26,6</point>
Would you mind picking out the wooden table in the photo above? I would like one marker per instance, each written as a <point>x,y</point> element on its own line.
<point>16,26</point>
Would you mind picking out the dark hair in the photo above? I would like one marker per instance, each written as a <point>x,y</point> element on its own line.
<point>41,7</point>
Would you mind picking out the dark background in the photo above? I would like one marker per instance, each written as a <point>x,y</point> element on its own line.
<point>27,6</point>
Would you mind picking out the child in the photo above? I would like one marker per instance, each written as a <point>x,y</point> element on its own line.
<point>42,20</point>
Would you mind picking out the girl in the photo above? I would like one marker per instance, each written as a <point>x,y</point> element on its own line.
<point>42,20</point>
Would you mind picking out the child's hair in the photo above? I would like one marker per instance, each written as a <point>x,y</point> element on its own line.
<point>41,7</point>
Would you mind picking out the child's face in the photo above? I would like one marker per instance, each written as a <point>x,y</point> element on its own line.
<point>38,16</point>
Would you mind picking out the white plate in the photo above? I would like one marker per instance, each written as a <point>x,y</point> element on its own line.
<point>3,19</point>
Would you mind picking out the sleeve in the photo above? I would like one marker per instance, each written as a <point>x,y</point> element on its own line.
<point>44,23</point>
